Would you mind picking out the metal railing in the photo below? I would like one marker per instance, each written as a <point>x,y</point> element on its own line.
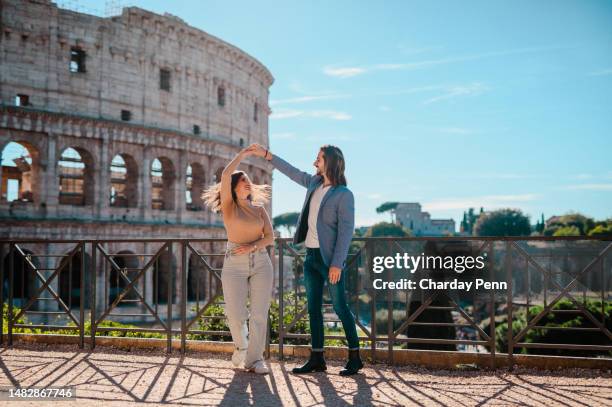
<point>87,283</point>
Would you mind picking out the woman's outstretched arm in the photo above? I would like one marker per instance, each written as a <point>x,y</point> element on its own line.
<point>301,177</point>
<point>226,177</point>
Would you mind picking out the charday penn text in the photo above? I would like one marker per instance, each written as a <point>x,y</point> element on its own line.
<point>412,263</point>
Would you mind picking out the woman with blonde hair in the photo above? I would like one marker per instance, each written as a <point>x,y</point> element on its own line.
<point>247,269</point>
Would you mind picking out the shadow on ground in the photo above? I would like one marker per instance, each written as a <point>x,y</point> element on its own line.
<point>116,377</point>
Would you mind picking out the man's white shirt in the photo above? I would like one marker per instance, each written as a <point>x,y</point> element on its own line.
<point>312,239</point>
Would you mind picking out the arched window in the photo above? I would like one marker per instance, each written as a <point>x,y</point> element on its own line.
<point>162,184</point>
<point>194,187</point>
<point>75,178</point>
<point>124,182</point>
<point>127,263</point>
<point>70,282</point>
<point>17,174</point>
<point>23,278</point>
<point>164,269</point>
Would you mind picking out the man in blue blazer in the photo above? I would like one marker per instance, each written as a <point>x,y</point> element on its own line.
<point>326,225</point>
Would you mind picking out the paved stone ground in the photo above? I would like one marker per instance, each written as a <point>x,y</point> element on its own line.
<point>113,377</point>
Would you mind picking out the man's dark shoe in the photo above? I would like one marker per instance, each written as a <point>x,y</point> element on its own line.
<point>353,365</point>
<point>316,363</point>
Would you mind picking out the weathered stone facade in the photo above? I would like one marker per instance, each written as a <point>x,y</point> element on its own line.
<point>142,86</point>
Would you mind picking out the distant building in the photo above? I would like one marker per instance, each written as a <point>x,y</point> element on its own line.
<point>410,215</point>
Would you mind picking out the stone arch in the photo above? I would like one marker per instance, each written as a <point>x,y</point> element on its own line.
<point>195,183</point>
<point>125,259</point>
<point>197,280</point>
<point>124,181</point>
<point>76,177</point>
<point>70,282</point>
<point>20,163</point>
<point>162,183</point>
<point>164,269</point>
<point>23,278</point>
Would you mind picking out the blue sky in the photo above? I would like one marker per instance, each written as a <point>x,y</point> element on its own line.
<point>451,104</point>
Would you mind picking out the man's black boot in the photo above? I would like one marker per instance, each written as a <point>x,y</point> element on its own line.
<point>353,365</point>
<point>316,363</point>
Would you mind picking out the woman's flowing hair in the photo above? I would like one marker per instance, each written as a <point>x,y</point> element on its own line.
<point>260,193</point>
<point>334,164</point>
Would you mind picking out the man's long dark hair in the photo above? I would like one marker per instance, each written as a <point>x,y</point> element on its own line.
<point>334,164</point>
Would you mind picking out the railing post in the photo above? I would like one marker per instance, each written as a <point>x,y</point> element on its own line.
<point>390,334</point>
<point>82,299</point>
<point>510,334</point>
<point>170,299</point>
<point>184,296</point>
<point>94,272</point>
<point>10,304</point>
<point>281,296</point>
<point>492,304</point>
<point>369,256</point>
<point>1,293</point>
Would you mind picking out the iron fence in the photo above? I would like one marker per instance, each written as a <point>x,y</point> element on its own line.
<point>548,288</point>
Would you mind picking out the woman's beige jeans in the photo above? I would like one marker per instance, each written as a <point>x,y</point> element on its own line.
<point>247,276</point>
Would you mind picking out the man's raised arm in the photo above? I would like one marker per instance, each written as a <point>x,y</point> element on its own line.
<point>299,176</point>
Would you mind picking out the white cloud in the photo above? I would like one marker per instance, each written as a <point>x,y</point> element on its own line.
<point>323,114</point>
<point>305,99</point>
<point>351,71</point>
<point>488,201</point>
<point>343,72</point>
<point>603,72</point>
<point>471,89</point>
<point>589,187</point>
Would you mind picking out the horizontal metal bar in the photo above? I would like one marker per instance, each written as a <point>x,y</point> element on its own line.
<point>131,315</point>
<point>130,254</point>
<point>49,327</point>
<point>440,324</point>
<point>569,328</point>
<point>48,255</point>
<point>561,346</point>
<point>44,312</point>
<point>355,239</point>
<point>110,328</point>
<point>442,341</point>
<point>224,333</point>
<point>361,338</point>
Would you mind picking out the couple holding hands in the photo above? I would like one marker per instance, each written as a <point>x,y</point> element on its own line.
<point>325,225</point>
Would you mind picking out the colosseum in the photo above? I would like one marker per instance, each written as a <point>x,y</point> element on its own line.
<point>110,128</point>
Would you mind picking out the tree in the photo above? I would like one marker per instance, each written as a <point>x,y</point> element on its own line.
<point>601,230</point>
<point>387,229</point>
<point>386,207</point>
<point>503,222</point>
<point>286,220</point>
<point>469,220</point>
<point>567,231</point>
<point>583,223</point>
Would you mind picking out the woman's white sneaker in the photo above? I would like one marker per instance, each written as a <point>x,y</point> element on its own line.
<point>259,367</point>
<point>238,357</point>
